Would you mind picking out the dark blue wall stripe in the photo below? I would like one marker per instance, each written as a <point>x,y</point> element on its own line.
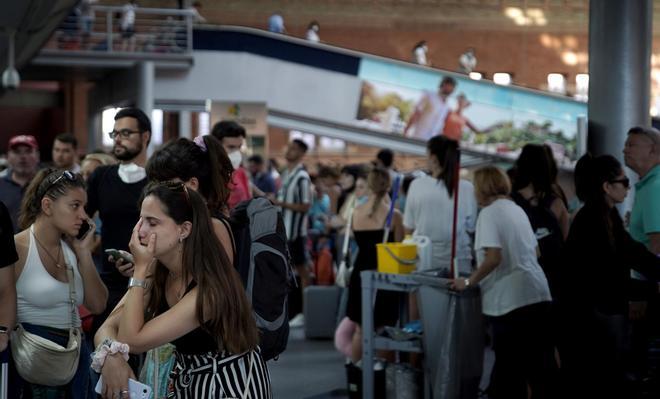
<point>270,47</point>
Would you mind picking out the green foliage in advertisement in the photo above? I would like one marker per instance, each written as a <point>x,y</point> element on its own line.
<point>515,138</point>
<point>372,103</point>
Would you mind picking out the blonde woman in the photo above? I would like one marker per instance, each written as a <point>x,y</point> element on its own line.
<point>368,229</point>
<point>515,292</point>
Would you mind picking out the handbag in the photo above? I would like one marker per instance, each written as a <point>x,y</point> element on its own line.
<point>41,361</point>
<point>156,370</point>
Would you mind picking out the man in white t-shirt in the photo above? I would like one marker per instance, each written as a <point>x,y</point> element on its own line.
<point>428,118</point>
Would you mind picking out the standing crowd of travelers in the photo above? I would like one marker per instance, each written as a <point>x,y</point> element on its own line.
<point>144,248</point>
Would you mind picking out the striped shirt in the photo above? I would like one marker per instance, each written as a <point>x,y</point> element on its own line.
<point>295,190</point>
<point>214,375</point>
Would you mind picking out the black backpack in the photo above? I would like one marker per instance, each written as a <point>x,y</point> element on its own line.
<point>262,260</point>
<point>548,233</point>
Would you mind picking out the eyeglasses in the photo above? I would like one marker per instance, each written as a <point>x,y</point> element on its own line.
<point>65,175</point>
<point>625,182</point>
<point>123,133</point>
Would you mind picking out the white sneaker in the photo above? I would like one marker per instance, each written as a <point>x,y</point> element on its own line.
<point>297,321</point>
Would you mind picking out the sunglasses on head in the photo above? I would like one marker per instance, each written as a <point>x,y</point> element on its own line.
<point>177,186</point>
<point>70,176</point>
<point>625,182</point>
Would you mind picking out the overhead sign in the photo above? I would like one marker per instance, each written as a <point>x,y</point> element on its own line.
<point>251,115</point>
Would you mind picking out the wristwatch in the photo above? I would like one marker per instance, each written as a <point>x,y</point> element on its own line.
<point>133,282</point>
<point>4,330</point>
<point>467,282</point>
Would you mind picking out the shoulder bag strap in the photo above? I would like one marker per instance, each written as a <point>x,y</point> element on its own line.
<point>72,292</point>
<point>349,226</point>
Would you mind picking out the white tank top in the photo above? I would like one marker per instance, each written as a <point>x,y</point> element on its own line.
<point>40,298</point>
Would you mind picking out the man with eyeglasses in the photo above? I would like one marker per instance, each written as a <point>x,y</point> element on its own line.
<point>642,154</point>
<point>23,159</point>
<point>114,191</point>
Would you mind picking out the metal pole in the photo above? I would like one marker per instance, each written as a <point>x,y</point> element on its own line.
<point>582,126</point>
<point>108,30</point>
<point>367,334</point>
<point>189,32</point>
<point>145,93</point>
<point>620,38</point>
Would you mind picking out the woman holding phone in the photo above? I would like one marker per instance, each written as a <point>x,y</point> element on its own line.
<point>50,252</point>
<point>184,291</point>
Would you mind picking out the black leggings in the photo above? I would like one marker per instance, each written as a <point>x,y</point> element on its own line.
<point>524,353</point>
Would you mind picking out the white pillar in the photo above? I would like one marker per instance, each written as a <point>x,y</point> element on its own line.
<point>185,122</point>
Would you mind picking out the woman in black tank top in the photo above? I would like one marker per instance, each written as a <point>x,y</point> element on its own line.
<point>193,299</point>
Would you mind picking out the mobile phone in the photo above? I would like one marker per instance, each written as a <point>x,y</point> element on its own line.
<point>84,229</point>
<point>117,254</point>
<point>136,389</point>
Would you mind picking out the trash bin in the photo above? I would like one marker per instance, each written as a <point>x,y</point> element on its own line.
<point>453,338</point>
<point>403,381</point>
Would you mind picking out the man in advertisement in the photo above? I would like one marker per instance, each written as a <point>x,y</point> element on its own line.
<point>428,118</point>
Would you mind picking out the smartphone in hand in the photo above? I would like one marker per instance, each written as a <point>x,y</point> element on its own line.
<point>84,229</point>
<point>117,254</point>
<point>136,389</point>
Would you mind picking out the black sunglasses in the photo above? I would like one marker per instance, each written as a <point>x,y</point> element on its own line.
<point>70,176</point>
<point>625,182</point>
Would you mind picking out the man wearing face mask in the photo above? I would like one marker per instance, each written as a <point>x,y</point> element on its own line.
<point>232,135</point>
<point>114,191</point>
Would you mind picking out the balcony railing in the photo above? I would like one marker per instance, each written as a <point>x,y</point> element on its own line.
<point>155,31</point>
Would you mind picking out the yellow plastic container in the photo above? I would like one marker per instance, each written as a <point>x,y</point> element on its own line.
<point>396,257</point>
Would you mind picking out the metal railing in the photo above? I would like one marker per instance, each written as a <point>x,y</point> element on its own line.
<point>105,29</point>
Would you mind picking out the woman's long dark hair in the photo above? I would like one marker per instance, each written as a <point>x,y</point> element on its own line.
<point>221,298</point>
<point>590,174</point>
<point>49,182</point>
<point>533,167</point>
<point>446,151</point>
<point>184,159</point>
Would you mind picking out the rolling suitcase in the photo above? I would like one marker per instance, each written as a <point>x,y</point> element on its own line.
<point>321,304</point>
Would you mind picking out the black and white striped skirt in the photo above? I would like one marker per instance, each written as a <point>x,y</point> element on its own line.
<point>216,375</point>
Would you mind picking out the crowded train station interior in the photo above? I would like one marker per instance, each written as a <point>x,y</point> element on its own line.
<point>454,199</point>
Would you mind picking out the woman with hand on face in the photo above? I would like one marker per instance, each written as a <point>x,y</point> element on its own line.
<point>595,285</point>
<point>50,255</point>
<point>203,166</point>
<point>192,297</point>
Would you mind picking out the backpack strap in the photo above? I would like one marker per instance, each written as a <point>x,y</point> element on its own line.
<point>225,223</point>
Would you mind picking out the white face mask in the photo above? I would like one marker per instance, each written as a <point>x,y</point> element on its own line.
<point>131,173</point>
<point>236,157</point>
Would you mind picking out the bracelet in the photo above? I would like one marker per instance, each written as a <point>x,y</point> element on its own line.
<point>133,282</point>
<point>108,347</point>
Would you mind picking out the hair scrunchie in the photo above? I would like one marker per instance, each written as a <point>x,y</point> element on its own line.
<point>199,140</point>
